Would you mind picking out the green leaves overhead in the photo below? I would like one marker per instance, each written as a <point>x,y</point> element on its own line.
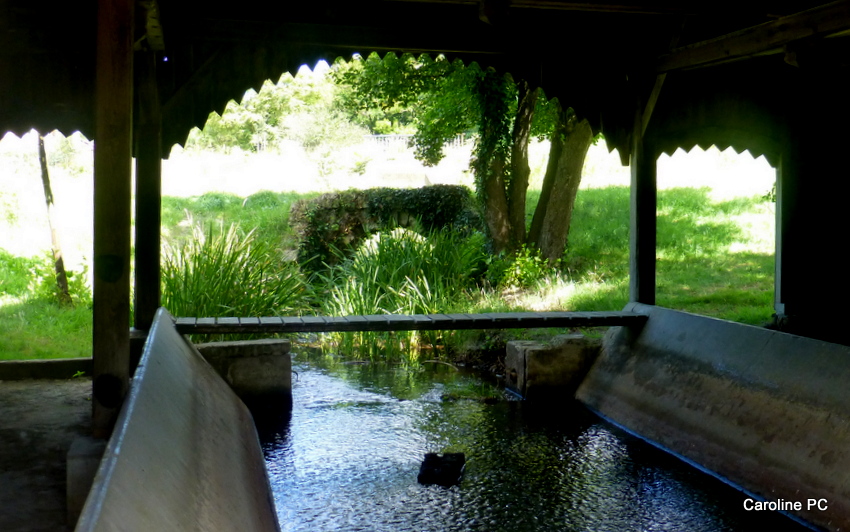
<point>302,108</point>
<point>430,96</point>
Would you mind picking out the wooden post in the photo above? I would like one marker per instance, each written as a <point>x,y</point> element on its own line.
<point>642,236</point>
<point>788,179</point>
<point>148,194</point>
<point>112,165</point>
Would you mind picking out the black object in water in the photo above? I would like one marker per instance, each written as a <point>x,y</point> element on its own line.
<point>442,469</point>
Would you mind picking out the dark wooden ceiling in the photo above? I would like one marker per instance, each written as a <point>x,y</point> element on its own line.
<point>598,57</point>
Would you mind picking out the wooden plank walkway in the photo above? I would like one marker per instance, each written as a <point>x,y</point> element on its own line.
<point>414,322</point>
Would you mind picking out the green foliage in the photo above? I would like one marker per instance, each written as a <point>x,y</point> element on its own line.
<point>300,108</point>
<point>450,108</point>
<point>227,273</point>
<point>402,272</point>
<point>333,225</point>
<point>430,96</point>
<point>382,94</point>
<point>43,283</point>
<point>770,195</point>
<point>523,269</point>
<point>15,274</point>
<point>39,329</point>
<point>435,207</point>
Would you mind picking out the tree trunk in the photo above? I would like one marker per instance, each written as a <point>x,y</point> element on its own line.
<point>551,222</point>
<point>491,159</point>
<point>496,206</point>
<point>519,162</point>
<point>58,262</point>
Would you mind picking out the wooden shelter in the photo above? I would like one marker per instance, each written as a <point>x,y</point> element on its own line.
<point>652,75</point>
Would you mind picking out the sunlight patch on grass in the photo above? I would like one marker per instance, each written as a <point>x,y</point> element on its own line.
<point>42,330</point>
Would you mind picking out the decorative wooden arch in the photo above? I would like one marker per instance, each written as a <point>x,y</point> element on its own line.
<point>138,75</point>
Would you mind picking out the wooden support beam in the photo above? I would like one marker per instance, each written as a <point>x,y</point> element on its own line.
<point>822,21</point>
<point>402,322</point>
<point>112,160</point>
<point>148,193</point>
<point>198,77</point>
<point>659,83</point>
<point>642,237</point>
<point>659,7</point>
<point>789,177</point>
<point>455,37</point>
<point>650,102</point>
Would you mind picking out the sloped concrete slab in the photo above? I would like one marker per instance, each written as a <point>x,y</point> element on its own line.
<point>184,454</point>
<point>768,411</point>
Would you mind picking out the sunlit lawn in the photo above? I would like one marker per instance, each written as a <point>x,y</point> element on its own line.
<point>715,241</point>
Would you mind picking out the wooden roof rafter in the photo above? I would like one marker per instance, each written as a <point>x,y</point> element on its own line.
<point>826,21</point>
<point>645,7</point>
<point>356,38</point>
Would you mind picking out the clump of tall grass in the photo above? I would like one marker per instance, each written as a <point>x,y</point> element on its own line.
<point>222,272</point>
<point>402,272</point>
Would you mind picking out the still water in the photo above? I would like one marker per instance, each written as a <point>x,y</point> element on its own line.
<point>348,457</point>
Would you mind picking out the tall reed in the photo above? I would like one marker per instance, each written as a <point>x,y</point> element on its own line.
<point>222,272</point>
<point>402,272</point>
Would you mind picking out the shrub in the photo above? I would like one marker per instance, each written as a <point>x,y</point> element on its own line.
<point>227,273</point>
<point>15,273</point>
<point>402,272</point>
<point>43,283</point>
<point>333,225</point>
<point>527,268</point>
<point>327,225</point>
<point>436,207</point>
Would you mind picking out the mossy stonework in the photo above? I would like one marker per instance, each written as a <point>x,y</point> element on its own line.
<point>340,221</point>
<point>551,371</point>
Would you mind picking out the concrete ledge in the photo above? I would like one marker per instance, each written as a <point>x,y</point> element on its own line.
<point>551,371</point>
<point>59,368</point>
<point>184,454</point>
<point>254,369</point>
<point>768,411</point>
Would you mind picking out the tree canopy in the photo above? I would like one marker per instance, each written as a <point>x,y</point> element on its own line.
<point>301,108</point>
<point>437,100</point>
<point>443,99</point>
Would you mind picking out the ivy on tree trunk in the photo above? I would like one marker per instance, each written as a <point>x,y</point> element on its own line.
<point>520,170</point>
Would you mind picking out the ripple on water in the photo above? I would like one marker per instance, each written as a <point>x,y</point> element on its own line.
<point>348,460</point>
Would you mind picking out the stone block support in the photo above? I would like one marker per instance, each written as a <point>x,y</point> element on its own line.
<point>259,371</point>
<point>550,371</point>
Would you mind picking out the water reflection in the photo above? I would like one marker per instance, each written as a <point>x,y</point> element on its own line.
<point>348,459</point>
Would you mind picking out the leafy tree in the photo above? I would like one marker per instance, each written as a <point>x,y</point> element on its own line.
<point>300,108</point>
<point>443,99</point>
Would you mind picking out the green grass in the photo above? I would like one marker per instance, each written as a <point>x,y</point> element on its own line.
<point>706,262</point>
<point>265,212</point>
<point>34,329</point>
<point>402,272</point>
<point>222,272</point>
<point>714,258</point>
